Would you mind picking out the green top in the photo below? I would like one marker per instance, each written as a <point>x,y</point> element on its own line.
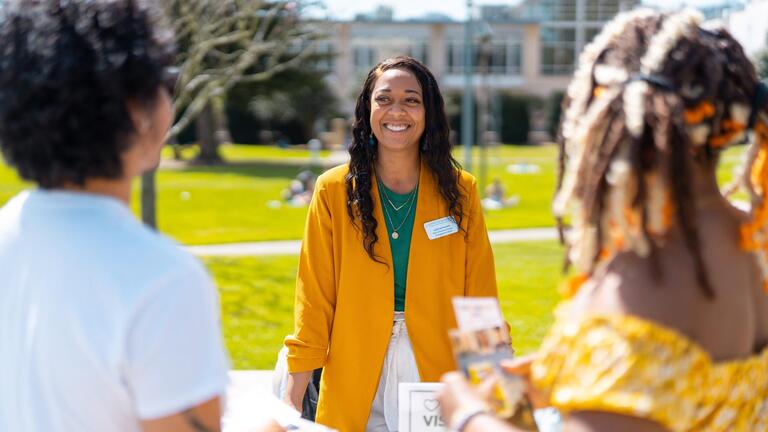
<point>399,215</point>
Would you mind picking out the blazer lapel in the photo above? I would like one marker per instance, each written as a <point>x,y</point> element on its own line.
<point>382,248</point>
<point>429,206</point>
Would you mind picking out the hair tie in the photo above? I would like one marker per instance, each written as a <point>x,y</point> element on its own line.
<point>657,80</point>
<point>759,101</point>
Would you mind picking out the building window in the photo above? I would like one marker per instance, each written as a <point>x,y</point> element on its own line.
<point>420,52</point>
<point>326,56</point>
<point>556,10</point>
<point>363,58</point>
<point>592,32</point>
<point>558,47</point>
<point>601,10</point>
<point>557,60</point>
<point>455,57</point>
<point>500,57</point>
<point>515,58</point>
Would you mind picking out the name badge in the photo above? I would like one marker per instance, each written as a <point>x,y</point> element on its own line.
<point>441,227</point>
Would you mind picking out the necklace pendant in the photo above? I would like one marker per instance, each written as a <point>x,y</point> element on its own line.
<point>395,235</point>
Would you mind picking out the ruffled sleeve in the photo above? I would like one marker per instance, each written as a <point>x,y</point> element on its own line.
<point>630,366</point>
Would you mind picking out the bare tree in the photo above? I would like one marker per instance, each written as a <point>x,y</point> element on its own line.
<point>222,43</point>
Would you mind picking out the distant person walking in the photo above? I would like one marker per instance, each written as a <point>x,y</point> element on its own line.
<point>391,237</point>
<point>104,324</point>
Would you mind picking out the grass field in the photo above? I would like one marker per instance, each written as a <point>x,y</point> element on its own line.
<point>249,153</point>
<point>257,299</point>
<point>231,203</point>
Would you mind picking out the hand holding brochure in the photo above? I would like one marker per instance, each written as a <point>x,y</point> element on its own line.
<point>480,345</point>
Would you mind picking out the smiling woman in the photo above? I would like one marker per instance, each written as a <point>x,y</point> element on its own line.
<point>397,113</point>
<point>373,304</point>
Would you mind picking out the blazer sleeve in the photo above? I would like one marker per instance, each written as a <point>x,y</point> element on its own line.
<point>315,301</point>
<point>480,271</point>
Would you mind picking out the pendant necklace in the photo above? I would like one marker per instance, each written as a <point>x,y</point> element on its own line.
<point>410,201</point>
<point>397,208</point>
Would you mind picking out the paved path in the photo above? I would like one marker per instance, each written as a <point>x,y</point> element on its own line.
<point>291,247</point>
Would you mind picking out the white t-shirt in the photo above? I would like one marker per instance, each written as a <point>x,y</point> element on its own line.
<point>103,322</point>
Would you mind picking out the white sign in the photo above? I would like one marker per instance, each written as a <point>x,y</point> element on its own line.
<point>419,409</point>
<point>477,313</point>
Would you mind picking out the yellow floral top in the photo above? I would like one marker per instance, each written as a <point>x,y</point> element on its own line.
<point>626,365</point>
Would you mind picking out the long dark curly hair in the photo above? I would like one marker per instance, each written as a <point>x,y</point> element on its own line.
<point>434,148</point>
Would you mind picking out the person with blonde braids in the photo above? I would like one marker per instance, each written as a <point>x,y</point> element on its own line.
<point>666,323</point>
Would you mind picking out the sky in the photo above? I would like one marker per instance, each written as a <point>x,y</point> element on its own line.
<point>456,9</point>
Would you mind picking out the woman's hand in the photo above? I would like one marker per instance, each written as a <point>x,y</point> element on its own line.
<point>521,367</point>
<point>295,387</point>
<point>459,396</point>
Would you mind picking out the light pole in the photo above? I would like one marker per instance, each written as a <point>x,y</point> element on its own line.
<point>467,107</point>
<point>484,104</point>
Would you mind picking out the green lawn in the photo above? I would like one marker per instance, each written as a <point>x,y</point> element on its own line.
<point>257,299</point>
<point>236,202</point>
<point>534,188</point>
<point>203,205</point>
<point>250,153</point>
<point>10,184</point>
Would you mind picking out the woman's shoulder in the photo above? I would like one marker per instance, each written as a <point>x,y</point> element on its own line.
<point>466,180</point>
<point>623,364</point>
<point>333,178</point>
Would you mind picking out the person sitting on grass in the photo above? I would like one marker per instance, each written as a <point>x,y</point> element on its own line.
<point>495,196</point>
<point>105,325</point>
<point>299,192</point>
<point>666,328</point>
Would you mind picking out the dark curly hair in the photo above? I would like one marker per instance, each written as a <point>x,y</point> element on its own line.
<point>435,150</point>
<point>67,70</point>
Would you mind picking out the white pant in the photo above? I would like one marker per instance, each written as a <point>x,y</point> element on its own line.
<point>399,366</point>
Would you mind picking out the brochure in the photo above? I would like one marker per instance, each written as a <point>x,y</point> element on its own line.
<point>480,345</point>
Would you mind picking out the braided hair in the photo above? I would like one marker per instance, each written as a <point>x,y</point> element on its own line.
<point>434,149</point>
<point>651,92</point>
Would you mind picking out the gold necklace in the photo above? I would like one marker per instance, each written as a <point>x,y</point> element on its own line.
<point>396,208</point>
<point>395,234</point>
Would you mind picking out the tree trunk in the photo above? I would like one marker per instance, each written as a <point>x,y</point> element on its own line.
<point>176,147</point>
<point>148,199</point>
<point>209,147</point>
<point>221,124</point>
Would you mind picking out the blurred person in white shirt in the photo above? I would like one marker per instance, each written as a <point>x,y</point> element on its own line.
<point>105,324</point>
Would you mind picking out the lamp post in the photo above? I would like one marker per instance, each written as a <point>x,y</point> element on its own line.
<point>467,107</point>
<point>484,124</point>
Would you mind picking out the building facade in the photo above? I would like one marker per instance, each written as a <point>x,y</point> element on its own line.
<point>748,23</point>
<point>530,48</point>
<point>567,26</point>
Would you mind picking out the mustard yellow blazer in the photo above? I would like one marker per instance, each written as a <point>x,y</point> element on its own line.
<point>345,301</point>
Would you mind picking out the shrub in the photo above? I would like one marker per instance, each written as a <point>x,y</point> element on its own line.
<point>554,110</point>
<point>516,118</point>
